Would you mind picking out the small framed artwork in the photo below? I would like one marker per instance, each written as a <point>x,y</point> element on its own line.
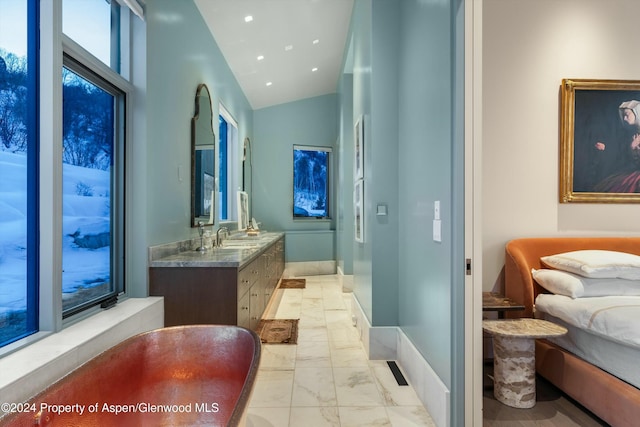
<point>358,152</point>
<point>600,141</point>
<point>358,210</point>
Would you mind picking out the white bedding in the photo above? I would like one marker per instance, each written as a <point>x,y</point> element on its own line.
<point>604,331</point>
<point>614,317</point>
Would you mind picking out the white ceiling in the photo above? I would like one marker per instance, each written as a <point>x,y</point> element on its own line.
<point>277,24</point>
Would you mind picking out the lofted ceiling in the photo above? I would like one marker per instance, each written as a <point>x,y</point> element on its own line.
<point>301,42</point>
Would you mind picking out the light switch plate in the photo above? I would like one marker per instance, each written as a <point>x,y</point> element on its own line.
<point>437,230</point>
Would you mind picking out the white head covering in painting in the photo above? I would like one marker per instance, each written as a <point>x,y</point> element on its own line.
<point>634,106</point>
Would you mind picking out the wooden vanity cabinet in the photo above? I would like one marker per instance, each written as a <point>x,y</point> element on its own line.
<point>219,295</point>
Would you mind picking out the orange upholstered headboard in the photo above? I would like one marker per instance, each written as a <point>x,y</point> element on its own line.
<point>521,255</point>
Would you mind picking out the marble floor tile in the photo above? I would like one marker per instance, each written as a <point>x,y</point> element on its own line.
<point>278,356</point>
<point>409,416</point>
<point>334,303</point>
<point>363,417</point>
<point>313,334</point>
<point>343,333</point>
<point>356,387</point>
<point>312,293</point>
<point>338,317</point>
<point>313,387</point>
<point>320,416</point>
<point>312,354</point>
<point>327,379</point>
<point>312,306</point>
<point>346,354</point>
<point>272,389</point>
<point>267,417</point>
<point>312,319</point>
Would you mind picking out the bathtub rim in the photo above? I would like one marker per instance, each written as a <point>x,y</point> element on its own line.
<point>238,413</point>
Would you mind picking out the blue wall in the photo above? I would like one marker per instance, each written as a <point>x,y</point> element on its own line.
<point>312,121</point>
<point>345,226</point>
<point>404,80</point>
<point>181,53</point>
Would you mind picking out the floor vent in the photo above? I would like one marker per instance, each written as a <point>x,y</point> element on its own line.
<point>396,373</point>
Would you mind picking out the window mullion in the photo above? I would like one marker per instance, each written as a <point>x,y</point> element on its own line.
<point>50,185</point>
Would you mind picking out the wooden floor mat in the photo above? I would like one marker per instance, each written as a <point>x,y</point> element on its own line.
<point>278,331</point>
<point>293,283</point>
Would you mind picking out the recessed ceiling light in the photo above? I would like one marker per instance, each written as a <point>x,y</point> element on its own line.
<point>260,57</point>
<point>314,69</point>
<point>288,47</point>
<point>248,18</point>
<point>269,83</point>
<point>316,41</point>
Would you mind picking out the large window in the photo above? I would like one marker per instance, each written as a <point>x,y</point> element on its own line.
<point>18,170</point>
<point>311,181</point>
<point>227,160</point>
<point>84,177</point>
<point>92,197</point>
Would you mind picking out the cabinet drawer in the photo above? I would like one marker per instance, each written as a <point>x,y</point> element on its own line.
<point>244,319</point>
<point>247,277</point>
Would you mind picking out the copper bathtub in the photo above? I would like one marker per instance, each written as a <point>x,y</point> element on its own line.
<point>199,375</point>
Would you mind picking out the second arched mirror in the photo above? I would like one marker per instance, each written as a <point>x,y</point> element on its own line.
<point>203,164</point>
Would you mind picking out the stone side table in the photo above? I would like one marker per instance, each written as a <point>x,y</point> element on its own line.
<point>514,363</point>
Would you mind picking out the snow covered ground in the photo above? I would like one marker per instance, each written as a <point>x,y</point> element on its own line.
<point>85,212</point>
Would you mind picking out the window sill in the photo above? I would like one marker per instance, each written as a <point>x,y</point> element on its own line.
<point>29,370</point>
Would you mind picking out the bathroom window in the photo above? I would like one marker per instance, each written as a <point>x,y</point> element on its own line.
<point>227,160</point>
<point>92,188</point>
<point>85,198</point>
<point>311,181</point>
<point>18,170</point>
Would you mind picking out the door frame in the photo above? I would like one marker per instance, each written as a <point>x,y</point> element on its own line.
<point>473,209</point>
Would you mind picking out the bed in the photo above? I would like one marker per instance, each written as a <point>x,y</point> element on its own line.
<point>564,361</point>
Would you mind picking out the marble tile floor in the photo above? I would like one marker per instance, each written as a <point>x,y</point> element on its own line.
<point>326,378</point>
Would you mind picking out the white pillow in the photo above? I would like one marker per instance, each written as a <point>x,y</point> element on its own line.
<point>596,264</point>
<point>575,286</point>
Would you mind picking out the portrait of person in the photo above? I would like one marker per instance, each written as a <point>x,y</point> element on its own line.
<point>607,141</point>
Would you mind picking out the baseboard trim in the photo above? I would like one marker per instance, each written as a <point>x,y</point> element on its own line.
<point>309,268</point>
<point>391,343</point>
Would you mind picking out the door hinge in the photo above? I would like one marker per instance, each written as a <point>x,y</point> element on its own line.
<point>468,270</point>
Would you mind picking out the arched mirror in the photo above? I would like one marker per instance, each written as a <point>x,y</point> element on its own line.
<point>203,164</point>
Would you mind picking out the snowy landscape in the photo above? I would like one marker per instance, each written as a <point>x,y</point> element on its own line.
<point>85,220</point>
<point>310,183</point>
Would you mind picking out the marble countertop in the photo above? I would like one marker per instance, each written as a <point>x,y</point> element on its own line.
<point>236,251</point>
<point>523,328</point>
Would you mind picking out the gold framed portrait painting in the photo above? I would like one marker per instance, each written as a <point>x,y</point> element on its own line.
<point>599,141</point>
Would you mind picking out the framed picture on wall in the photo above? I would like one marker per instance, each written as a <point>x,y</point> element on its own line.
<point>358,210</point>
<point>358,152</point>
<point>600,141</point>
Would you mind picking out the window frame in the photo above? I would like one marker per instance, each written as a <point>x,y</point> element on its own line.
<point>46,47</point>
<point>118,179</point>
<point>72,51</point>
<point>230,166</point>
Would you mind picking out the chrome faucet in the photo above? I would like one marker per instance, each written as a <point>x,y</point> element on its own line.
<point>202,247</point>
<point>218,239</point>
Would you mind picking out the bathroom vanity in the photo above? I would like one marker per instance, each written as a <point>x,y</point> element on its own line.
<point>230,285</point>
